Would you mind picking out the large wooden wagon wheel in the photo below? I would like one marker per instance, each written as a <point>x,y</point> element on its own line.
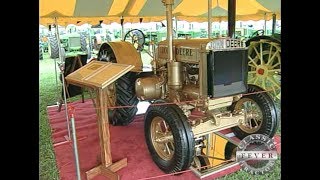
<point>265,66</point>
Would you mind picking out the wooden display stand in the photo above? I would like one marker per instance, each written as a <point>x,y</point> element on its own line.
<point>97,75</point>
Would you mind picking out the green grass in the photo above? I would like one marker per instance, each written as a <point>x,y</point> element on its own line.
<point>274,174</point>
<point>48,96</point>
<point>47,92</point>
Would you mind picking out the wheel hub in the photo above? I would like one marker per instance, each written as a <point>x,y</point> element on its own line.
<point>162,138</point>
<point>262,71</point>
<point>253,115</point>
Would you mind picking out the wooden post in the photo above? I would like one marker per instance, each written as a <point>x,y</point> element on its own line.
<point>106,168</point>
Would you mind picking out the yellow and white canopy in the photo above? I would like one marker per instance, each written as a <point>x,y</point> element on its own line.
<point>92,11</point>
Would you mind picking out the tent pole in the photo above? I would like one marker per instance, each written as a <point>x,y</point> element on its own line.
<point>274,23</point>
<point>62,75</point>
<point>231,18</point>
<point>56,74</point>
<point>265,23</point>
<point>209,18</point>
<point>122,28</point>
<point>176,24</point>
<point>220,29</point>
<point>168,4</point>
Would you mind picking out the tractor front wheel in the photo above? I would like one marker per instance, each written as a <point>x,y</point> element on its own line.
<point>169,138</point>
<point>260,113</point>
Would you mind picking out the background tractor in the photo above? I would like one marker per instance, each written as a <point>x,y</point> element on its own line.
<point>264,53</point>
<point>99,36</point>
<point>73,42</point>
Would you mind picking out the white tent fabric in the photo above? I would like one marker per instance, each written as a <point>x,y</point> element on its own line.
<point>85,11</point>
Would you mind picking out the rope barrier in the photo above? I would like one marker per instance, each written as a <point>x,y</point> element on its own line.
<point>166,103</point>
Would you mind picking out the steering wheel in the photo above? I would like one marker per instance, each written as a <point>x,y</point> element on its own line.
<point>259,32</point>
<point>136,37</point>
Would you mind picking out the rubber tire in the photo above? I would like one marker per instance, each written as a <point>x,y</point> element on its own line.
<point>125,95</point>
<point>270,118</point>
<point>40,52</point>
<point>228,150</point>
<point>83,42</point>
<point>189,133</point>
<point>182,135</point>
<point>54,48</point>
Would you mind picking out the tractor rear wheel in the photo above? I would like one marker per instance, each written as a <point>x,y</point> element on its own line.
<point>121,92</point>
<point>169,138</point>
<point>40,52</point>
<point>264,68</point>
<point>53,48</point>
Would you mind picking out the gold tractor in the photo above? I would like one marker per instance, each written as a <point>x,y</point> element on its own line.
<point>196,87</point>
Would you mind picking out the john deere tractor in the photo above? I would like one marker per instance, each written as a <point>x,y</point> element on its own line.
<point>72,41</point>
<point>264,53</point>
<point>196,87</point>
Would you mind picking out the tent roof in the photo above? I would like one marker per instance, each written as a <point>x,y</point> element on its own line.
<point>85,11</point>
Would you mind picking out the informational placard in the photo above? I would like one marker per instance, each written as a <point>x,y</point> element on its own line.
<point>98,74</point>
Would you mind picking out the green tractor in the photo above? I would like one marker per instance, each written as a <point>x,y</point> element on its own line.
<point>264,66</point>
<point>73,42</point>
<point>99,35</point>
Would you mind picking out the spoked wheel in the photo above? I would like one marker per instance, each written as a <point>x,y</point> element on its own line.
<point>265,66</point>
<point>169,138</point>
<point>121,92</point>
<point>260,114</point>
<point>136,37</point>
<point>201,163</point>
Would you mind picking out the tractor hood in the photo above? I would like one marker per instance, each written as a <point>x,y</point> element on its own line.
<point>190,48</point>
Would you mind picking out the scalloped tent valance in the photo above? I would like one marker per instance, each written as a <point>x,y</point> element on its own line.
<point>93,11</point>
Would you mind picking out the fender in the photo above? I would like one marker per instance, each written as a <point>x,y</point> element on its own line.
<point>127,54</point>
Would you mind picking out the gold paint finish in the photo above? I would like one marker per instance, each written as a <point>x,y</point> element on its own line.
<point>253,115</point>
<point>162,138</point>
<point>175,75</point>
<point>126,53</point>
<point>148,88</point>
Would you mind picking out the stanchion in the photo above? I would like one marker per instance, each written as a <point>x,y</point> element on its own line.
<point>74,140</point>
<point>61,66</point>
